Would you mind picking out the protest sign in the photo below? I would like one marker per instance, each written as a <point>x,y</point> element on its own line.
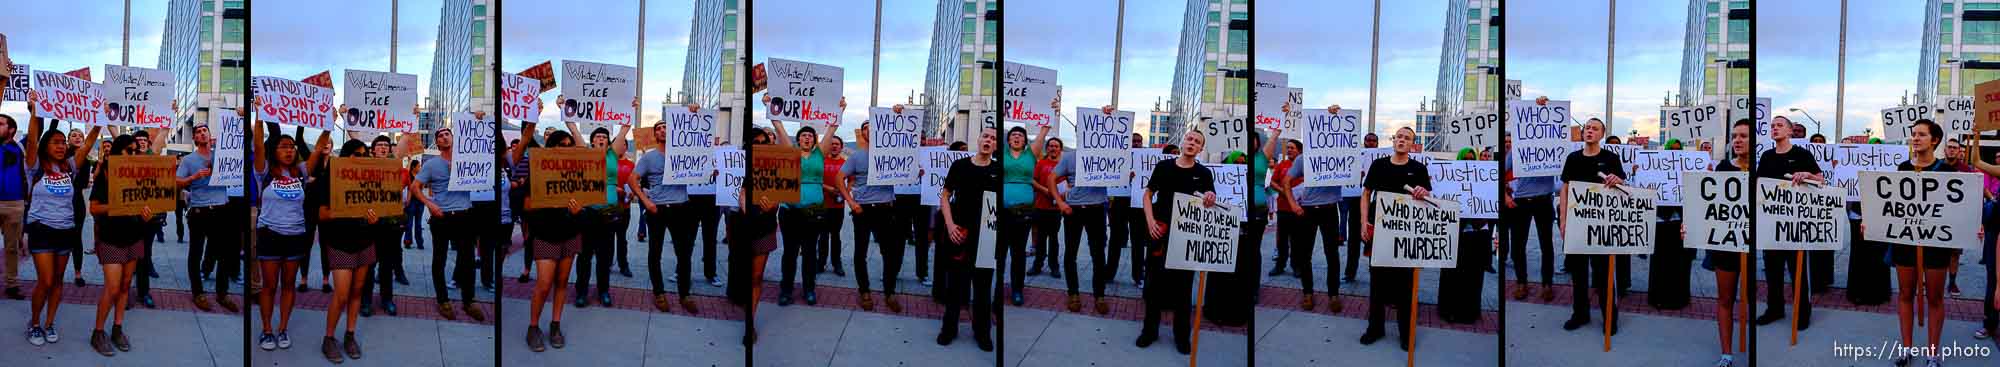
<point>379,102</point>
<point>1332,142</point>
<point>292,102</point>
<point>1367,158</point>
<point>1225,134</point>
<point>1660,170</point>
<point>558,175</point>
<point>1696,123</point>
<point>774,173</point>
<point>1202,238</point>
<point>1954,115</point>
<point>1231,188</point>
<point>544,72</point>
<point>18,83</point>
<point>520,98</point>
<point>893,139</point>
<point>1799,217</point>
<point>1541,137</point>
<point>138,97</point>
<point>1291,126</point>
<point>360,184</point>
<point>1269,98</point>
<point>1856,158</point>
<point>937,162</point>
<point>1476,130</point>
<point>1986,106</point>
<point>1474,185</point>
<point>69,98</point>
<point>805,92</point>
<point>730,167</point>
<point>1102,140</point>
<point>689,151</point>
<point>471,153</point>
<point>1896,121</point>
<point>1415,233</point>
<point>1030,92</point>
<point>1718,210</point>
<point>1606,221</point>
<point>226,125</point>
<point>139,182</point>
<point>1929,209</point>
<point>985,256</point>
<point>1823,154</point>
<point>596,93</point>
<point>1143,161</point>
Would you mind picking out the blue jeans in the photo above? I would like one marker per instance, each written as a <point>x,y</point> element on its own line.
<point>414,231</point>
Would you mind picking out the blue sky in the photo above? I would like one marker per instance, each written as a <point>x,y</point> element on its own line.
<point>1323,47</point>
<point>840,33</point>
<point>1076,38</point>
<point>1557,49</point>
<point>88,34</point>
<point>1798,45</point>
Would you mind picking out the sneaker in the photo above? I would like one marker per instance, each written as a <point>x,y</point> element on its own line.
<point>1726,361</point>
<point>812,298</point>
<point>1980,334</point>
<point>328,349</point>
<point>266,342</point>
<point>1903,361</point>
<point>1954,290</point>
<point>1370,337</point>
<point>535,338</point>
<point>36,337</point>
<point>284,340</point>
<point>925,281</point>
<point>119,340</point>
<point>713,282</point>
<point>453,284</point>
<point>50,334</point>
<point>102,344</point>
<point>1933,362</point>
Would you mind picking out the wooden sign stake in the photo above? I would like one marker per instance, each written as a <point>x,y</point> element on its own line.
<point>1411,355</point>
<point>1201,288</point>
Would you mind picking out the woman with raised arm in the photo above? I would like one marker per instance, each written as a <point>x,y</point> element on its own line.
<point>599,222</point>
<point>805,219</point>
<point>966,185</point>
<point>282,240</point>
<point>52,165</point>
<point>1017,199</point>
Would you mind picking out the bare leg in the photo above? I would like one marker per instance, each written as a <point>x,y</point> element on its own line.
<point>124,292</point>
<point>1906,296</point>
<point>264,298</point>
<point>341,297</point>
<point>353,288</point>
<point>1725,308</point>
<point>286,294</point>
<point>544,270</point>
<point>114,274</point>
<point>562,280</point>
<point>55,290</point>
<point>40,296</point>
<point>1934,303</point>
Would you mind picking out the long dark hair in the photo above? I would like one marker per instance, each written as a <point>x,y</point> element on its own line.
<point>49,160</point>
<point>560,139</point>
<point>270,153</point>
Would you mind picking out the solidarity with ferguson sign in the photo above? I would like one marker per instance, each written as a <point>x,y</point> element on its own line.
<point>1717,210</point>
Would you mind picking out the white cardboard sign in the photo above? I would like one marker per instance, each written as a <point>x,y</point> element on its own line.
<point>1414,233</point>
<point>689,149</point>
<point>1541,137</point>
<point>1102,141</point>
<point>1718,210</point>
<point>595,93</point>
<point>138,97</point>
<point>1030,92</point>
<point>379,102</point>
<point>1800,217</point>
<point>1605,221</point>
<point>1202,238</point>
<point>1930,209</point>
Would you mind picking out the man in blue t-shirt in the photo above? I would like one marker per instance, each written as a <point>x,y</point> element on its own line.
<point>206,202</point>
<point>13,188</point>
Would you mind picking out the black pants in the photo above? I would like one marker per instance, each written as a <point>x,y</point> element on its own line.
<point>388,258</point>
<point>619,243</point>
<point>1351,215</point>
<point>911,212</point>
<point>1230,296</point>
<point>660,222</point>
<point>1583,271</point>
<point>878,220</point>
<point>214,240</point>
<point>1778,265</point>
<point>1820,270</point>
<point>1087,220</point>
<point>1389,288</point>
<point>1117,213</point>
<point>1047,225</point>
<point>1014,233</point>
<point>1540,212</point>
<point>453,232</point>
<point>962,280</point>
<point>1142,239</point>
<point>598,233</point>
<point>801,229</point>
<point>1460,288</point>
<point>1323,220</point>
<point>1168,293</point>
<point>1671,266</point>
<point>829,235</point>
<point>707,216</point>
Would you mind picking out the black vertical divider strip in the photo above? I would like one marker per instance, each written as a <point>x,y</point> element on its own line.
<point>1500,104</point>
<point>999,157</point>
<point>1249,183</point>
<point>249,152</point>
<point>736,232</point>
<point>1749,298</point>
<point>499,180</point>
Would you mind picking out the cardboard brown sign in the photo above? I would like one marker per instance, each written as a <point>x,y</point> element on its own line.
<point>141,181</point>
<point>545,72</point>
<point>558,175</point>
<point>359,184</point>
<point>644,137</point>
<point>1986,106</point>
<point>774,173</point>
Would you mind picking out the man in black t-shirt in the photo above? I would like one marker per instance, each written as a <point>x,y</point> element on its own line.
<point>1170,288</point>
<point>1390,287</point>
<point>966,184</point>
<point>1592,164</point>
<point>1785,162</point>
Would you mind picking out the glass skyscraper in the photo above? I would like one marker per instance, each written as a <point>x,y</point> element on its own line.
<point>1210,79</point>
<point>460,67</point>
<point>1468,66</point>
<point>202,46</point>
<point>713,70</point>
<point>964,42</point>
<point>1961,47</point>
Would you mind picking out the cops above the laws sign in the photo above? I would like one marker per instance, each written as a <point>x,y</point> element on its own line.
<point>1411,233</point>
<point>1202,238</point>
<point>1599,220</point>
<point>1922,209</point>
<point>1717,212</point>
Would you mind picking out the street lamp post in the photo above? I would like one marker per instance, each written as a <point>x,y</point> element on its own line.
<point>1816,124</point>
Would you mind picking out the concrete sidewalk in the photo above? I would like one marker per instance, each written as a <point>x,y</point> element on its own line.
<point>1288,337</point>
<point>599,336</point>
<point>385,341</point>
<point>161,337</point>
<point>1036,337</point>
